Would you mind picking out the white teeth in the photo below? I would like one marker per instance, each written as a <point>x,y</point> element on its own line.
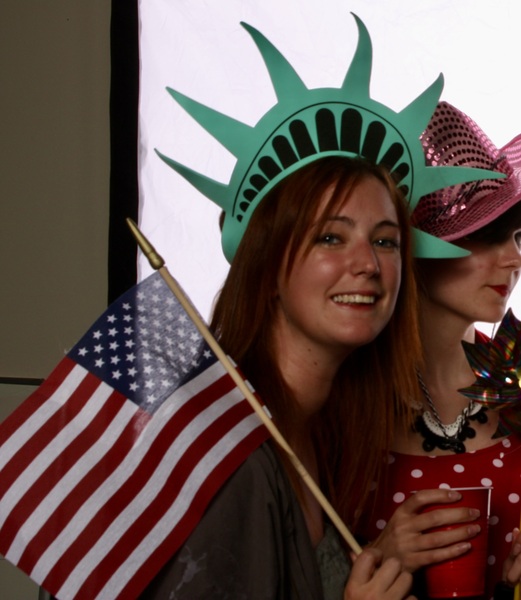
<point>354,299</point>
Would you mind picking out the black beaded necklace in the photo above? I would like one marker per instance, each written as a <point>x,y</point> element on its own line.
<point>447,437</point>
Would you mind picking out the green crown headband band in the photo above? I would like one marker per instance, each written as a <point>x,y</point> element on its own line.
<point>308,124</point>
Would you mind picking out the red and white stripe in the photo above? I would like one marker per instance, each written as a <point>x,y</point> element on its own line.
<point>98,494</point>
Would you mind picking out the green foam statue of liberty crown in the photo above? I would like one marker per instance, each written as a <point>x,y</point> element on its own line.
<point>308,124</point>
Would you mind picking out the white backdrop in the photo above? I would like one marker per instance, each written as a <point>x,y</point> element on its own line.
<point>199,48</point>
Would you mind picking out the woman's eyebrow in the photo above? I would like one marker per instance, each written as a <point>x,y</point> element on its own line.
<point>349,221</point>
<point>343,219</point>
<point>388,223</point>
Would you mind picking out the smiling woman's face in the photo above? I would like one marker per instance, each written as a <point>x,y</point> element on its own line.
<point>341,293</point>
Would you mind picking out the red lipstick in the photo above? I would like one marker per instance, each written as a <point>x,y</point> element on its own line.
<point>502,290</point>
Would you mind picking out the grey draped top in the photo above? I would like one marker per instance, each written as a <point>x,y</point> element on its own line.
<point>253,544</point>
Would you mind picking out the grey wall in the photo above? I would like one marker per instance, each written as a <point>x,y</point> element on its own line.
<point>54,185</point>
<point>54,157</point>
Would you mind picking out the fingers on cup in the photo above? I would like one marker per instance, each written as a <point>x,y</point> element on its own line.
<point>422,498</point>
<point>448,517</point>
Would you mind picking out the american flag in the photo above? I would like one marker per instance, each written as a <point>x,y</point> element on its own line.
<point>107,467</point>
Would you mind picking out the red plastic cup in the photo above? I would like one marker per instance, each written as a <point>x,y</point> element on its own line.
<point>463,576</point>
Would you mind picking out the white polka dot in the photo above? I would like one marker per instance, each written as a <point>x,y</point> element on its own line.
<point>497,463</point>
<point>491,560</point>
<point>493,520</point>
<point>416,473</point>
<point>508,538</point>
<point>486,482</point>
<point>501,455</point>
<point>380,524</point>
<point>459,468</point>
<point>506,443</point>
<point>444,486</point>
<point>513,498</point>
<point>399,497</point>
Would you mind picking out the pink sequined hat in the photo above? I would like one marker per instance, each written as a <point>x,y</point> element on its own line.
<point>453,139</point>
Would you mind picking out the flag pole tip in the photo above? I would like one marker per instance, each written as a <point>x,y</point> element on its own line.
<point>155,260</point>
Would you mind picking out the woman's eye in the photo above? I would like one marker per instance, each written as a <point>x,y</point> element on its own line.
<point>329,239</point>
<point>517,238</point>
<point>387,243</point>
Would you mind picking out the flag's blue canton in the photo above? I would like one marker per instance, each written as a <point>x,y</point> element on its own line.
<point>144,345</point>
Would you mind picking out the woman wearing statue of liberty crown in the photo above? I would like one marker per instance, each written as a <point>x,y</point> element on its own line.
<point>319,311</point>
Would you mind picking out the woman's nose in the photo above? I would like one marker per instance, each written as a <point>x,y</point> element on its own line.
<point>364,260</point>
<point>511,253</point>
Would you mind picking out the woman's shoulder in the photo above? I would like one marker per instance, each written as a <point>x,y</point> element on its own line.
<point>262,468</point>
<point>264,460</point>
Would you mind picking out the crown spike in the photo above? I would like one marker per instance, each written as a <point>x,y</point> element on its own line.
<point>215,191</point>
<point>421,108</point>
<point>358,77</point>
<point>232,134</point>
<point>429,246</point>
<point>285,80</point>
<point>436,178</point>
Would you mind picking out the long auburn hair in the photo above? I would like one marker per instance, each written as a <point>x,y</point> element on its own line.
<point>373,387</point>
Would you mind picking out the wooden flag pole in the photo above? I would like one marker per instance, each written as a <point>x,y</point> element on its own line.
<point>158,263</point>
